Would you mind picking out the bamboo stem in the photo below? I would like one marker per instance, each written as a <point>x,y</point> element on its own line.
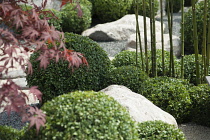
<point>162,38</point>
<point>182,40</point>
<point>145,37</point>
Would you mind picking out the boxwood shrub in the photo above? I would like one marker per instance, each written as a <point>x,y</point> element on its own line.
<point>71,22</point>
<point>159,130</point>
<point>170,94</point>
<point>85,115</point>
<point>188,29</point>
<point>110,10</point>
<point>126,58</point>
<point>9,133</point>
<point>129,76</point>
<point>200,96</point>
<point>140,5</point>
<point>57,78</point>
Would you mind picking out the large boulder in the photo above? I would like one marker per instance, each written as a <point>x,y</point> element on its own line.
<point>131,43</point>
<point>120,29</point>
<point>140,108</point>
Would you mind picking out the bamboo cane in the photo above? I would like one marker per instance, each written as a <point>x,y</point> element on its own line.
<point>182,40</point>
<point>154,41</point>
<point>169,13</point>
<point>208,49</point>
<point>145,37</point>
<point>138,38</point>
<point>162,37</point>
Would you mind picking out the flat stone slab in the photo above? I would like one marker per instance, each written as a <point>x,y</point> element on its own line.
<point>19,81</point>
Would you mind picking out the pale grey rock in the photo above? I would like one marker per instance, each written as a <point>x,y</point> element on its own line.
<point>140,108</point>
<point>120,29</point>
<point>14,74</point>
<point>19,81</point>
<point>131,43</point>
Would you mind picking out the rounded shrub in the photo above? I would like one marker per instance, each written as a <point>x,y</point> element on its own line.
<point>85,115</point>
<point>126,58</point>
<point>9,133</point>
<point>200,96</point>
<point>159,130</point>
<point>188,29</point>
<point>71,22</point>
<point>176,5</point>
<point>170,94</point>
<point>129,76</point>
<point>57,78</point>
<point>110,10</point>
<point>140,7</point>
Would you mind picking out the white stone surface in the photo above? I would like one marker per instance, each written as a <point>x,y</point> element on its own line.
<point>131,43</point>
<point>19,81</point>
<point>140,108</point>
<point>120,29</point>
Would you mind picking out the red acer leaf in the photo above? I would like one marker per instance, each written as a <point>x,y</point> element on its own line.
<point>36,117</point>
<point>64,2</point>
<point>36,93</point>
<point>44,61</point>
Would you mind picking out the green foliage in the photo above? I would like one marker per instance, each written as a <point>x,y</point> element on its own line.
<point>110,10</point>
<point>190,67</point>
<point>200,96</point>
<point>55,21</point>
<point>25,7</point>
<point>176,5</point>
<point>128,58</point>
<point>57,78</point>
<point>140,6</point>
<point>129,76</point>
<point>158,130</point>
<point>188,28</point>
<point>71,22</point>
<point>9,133</point>
<point>86,116</point>
<point>170,94</point>
<point>188,3</point>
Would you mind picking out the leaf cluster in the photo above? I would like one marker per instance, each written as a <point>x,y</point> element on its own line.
<point>158,130</point>
<point>170,94</point>
<point>86,115</point>
<point>129,76</point>
<point>61,78</point>
<point>200,96</point>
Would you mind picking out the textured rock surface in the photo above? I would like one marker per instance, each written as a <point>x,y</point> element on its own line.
<point>131,43</point>
<point>140,108</point>
<point>118,30</point>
